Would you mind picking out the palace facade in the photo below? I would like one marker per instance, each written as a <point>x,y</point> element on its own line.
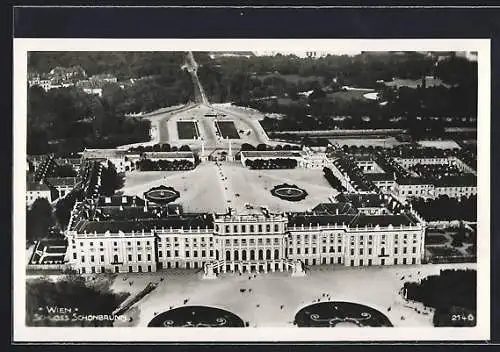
<point>129,234</point>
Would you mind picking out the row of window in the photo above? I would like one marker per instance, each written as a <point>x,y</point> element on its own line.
<point>260,255</point>
<point>361,252</point>
<point>101,244</point>
<point>115,258</point>
<point>383,262</point>
<point>187,254</point>
<point>102,269</point>
<point>194,239</point>
<point>260,241</point>
<point>251,228</point>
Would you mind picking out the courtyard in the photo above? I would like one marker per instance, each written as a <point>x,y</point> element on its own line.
<point>214,187</point>
<point>274,299</point>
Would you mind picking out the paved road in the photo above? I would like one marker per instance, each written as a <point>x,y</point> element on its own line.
<point>192,68</point>
<point>257,131</point>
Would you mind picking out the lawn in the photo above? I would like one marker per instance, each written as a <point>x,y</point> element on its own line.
<point>348,95</point>
<point>227,129</point>
<point>187,129</point>
<point>435,239</point>
<point>447,144</point>
<point>414,83</point>
<point>292,78</point>
<point>388,142</point>
<point>444,252</point>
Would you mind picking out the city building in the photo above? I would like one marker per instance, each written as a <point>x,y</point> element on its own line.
<point>128,234</point>
<point>122,160</point>
<point>36,190</point>
<point>62,185</point>
<point>170,156</point>
<point>105,77</point>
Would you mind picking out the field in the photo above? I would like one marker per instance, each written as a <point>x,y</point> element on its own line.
<point>227,129</point>
<point>388,142</point>
<point>448,144</point>
<point>187,129</point>
<point>413,83</point>
<point>292,78</point>
<point>348,95</point>
<point>275,298</point>
<point>436,239</point>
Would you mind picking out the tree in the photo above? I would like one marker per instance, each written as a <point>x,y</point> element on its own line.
<point>38,220</point>
<point>185,148</point>
<point>74,292</point>
<point>65,171</point>
<point>247,147</point>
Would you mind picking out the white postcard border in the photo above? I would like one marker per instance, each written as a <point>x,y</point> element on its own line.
<point>22,333</point>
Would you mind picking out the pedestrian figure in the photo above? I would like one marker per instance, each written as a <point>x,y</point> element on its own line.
<point>281,307</point>
<point>250,290</point>
<point>258,305</point>
<point>389,309</point>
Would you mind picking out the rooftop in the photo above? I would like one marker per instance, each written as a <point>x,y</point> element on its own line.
<point>411,181</point>
<point>271,154</point>
<point>381,220</point>
<point>168,155</point>
<point>321,220</point>
<point>366,200</point>
<point>62,181</point>
<point>380,176</point>
<point>103,153</point>
<point>120,200</point>
<point>334,209</point>
<point>36,186</point>
<point>127,226</point>
<point>465,180</point>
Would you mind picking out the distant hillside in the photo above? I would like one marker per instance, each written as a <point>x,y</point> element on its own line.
<point>122,64</point>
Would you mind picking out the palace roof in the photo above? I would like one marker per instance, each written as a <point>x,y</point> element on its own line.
<point>381,220</point>
<point>127,226</point>
<point>335,209</point>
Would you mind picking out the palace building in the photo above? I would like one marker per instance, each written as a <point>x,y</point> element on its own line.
<point>129,234</point>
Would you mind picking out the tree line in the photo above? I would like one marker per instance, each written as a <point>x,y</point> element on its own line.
<point>164,165</point>
<point>445,208</point>
<point>72,292</point>
<point>277,163</point>
<point>68,119</point>
<point>333,180</point>
<point>160,148</point>
<point>452,291</point>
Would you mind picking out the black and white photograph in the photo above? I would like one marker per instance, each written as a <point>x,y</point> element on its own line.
<point>279,187</point>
